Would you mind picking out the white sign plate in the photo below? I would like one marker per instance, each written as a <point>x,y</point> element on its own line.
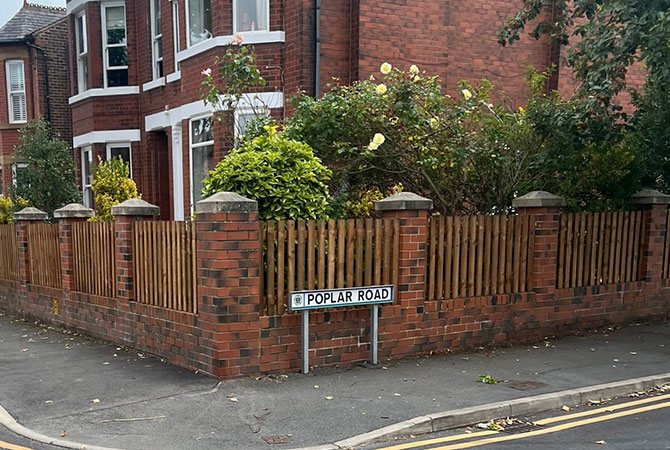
<point>334,298</point>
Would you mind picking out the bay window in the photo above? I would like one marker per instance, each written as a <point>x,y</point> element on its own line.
<point>16,91</point>
<point>114,43</point>
<point>199,20</point>
<point>81,45</point>
<point>124,152</point>
<point>201,155</point>
<point>251,15</point>
<point>156,39</point>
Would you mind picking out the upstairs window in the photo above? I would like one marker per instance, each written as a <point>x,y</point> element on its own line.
<point>82,52</point>
<point>16,91</point>
<point>156,39</point>
<point>251,15</point>
<point>199,18</point>
<point>115,47</point>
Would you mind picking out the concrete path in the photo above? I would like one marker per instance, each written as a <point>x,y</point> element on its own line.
<point>104,395</point>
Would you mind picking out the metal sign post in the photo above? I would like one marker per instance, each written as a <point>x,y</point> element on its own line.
<point>333,298</point>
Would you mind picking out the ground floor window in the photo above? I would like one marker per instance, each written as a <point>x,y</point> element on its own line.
<point>87,176</point>
<point>243,117</point>
<point>17,168</point>
<point>201,155</point>
<point>123,151</point>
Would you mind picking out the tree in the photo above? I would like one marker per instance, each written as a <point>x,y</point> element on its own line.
<point>48,181</point>
<point>111,185</point>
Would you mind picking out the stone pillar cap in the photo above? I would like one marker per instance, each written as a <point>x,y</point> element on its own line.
<point>135,207</point>
<point>31,214</point>
<point>225,202</point>
<point>403,201</point>
<point>650,197</point>
<point>73,211</point>
<point>538,199</point>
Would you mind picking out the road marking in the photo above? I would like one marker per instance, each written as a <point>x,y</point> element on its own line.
<point>457,437</point>
<point>593,412</point>
<point>557,428</point>
<point>8,446</point>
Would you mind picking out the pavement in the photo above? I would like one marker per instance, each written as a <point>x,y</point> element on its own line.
<point>62,384</point>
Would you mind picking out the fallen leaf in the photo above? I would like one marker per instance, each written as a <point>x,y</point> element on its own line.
<point>233,399</point>
<point>601,442</point>
<point>48,402</point>
<point>63,434</point>
<point>565,408</point>
<point>95,400</point>
<point>330,397</point>
<point>24,350</point>
<point>396,394</point>
<point>105,363</point>
<point>615,360</point>
<point>316,386</point>
<point>633,353</point>
<point>385,368</point>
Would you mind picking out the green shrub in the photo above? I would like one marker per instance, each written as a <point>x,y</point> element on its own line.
<point>283,175</point>
<point>111,185</point>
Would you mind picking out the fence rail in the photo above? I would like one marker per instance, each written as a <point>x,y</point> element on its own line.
<point>164,260</point>
<point>599,248</point>
<point>44,253</point>
<point>301,255</point>
<point>93,254</point>
<point>9,256</point>
<point>479,255</point>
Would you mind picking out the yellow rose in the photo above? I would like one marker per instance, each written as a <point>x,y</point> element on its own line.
<point>379,139</point>
<point>416,79</point>
<point>381,89</point>
<point>386,68</point>
<point>413,69</point>
<point>373,146</point>
<point>467,94</point>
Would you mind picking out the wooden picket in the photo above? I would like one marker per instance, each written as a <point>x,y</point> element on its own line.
<point>9,257</point>
<point>44,255</point>
<point>599,248</point>
<point>93,258</point>
<point>479,255</point>
<point>304,255</point>
<point>165,265</point>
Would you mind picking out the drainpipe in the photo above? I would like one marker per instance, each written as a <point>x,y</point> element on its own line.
<point>45,61</point>
<point>317,46</point>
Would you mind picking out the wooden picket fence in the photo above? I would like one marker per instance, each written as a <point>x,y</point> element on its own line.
<point>600,248</point>
<point>93,254</point>
<point>305,255</point>
<point>9,257</point>
<point>479,255</point>
<point>165,266</point>
<point>44,254</point>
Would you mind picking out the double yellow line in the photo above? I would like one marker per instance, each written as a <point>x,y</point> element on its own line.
<point>489,439</point>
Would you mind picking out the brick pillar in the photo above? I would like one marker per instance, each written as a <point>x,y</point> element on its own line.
<point>23,219</point>
<point>412,211</point>
<point>655,205</point>
<point>133,210</point>
<point>544,209</point>
<point>66,216</point>
<point>228,282</point>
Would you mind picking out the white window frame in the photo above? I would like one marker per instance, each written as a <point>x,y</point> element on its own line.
<point>175,32</point>
<point>85,186</point>
<point>11,93</point>
<point>192,146</point>
<point>188,26</point>
<point>156,35</point>
<point>267,20</point>
<point>105,45</point>
<point>16,166</point>
<point>82,53</point>
<point>108,153</point>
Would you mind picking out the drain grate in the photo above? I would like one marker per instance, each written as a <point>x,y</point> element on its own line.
<point>519,428</point>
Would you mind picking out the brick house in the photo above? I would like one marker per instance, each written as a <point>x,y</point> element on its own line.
<point>33,79</point>
<point>136,70</point>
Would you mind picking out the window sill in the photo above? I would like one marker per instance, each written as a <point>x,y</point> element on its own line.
<point>175,76</point>
<point>104,92</point>
<point>160,82</point>
<point>248,38</point>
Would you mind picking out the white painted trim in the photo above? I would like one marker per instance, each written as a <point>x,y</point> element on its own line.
<point>174,76</point>
<point>177,172</point>
<point>165,119</point>
<point>73,6</point>
<point>248,38</point>
<point>153,84</point>
<point>104,137</point>
<point>106,92</point>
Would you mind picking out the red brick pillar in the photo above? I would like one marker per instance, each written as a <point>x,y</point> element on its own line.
<point>412,211</point>
<point>655,205</point>
<point>66,216</point>
<point>228,281</point>
<point>545,209</point>
<point>133,210</point>
<point>23,219</point>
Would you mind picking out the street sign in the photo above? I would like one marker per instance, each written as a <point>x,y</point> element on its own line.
<point>334,298</point>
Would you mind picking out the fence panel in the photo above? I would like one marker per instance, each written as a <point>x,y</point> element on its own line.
<point>164,259</point>
<point>9,253</point>
<point>599,248</point>
<point>93,255</point>
<point>44,254</point>
<point>479,255</point>
<point>307,255</point>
